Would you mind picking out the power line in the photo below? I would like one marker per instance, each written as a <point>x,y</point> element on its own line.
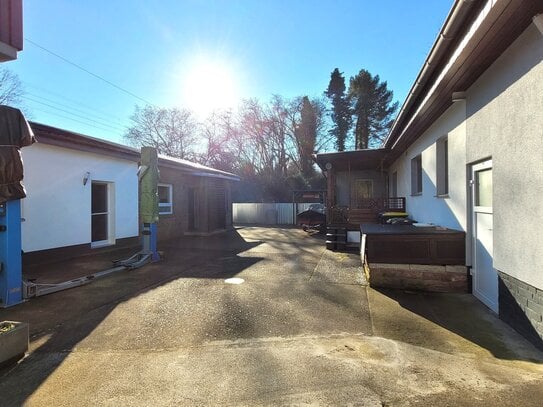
<point>63,97</point>
<point>87,121</point>
<point>97,116</point>
<point>72,119</point>
<point>88,72</point>
<point>74,114</point>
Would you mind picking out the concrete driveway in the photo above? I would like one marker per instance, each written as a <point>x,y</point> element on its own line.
<point>301,328</point>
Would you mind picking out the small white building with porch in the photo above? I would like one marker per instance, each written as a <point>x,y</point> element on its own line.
<point>466,151</point>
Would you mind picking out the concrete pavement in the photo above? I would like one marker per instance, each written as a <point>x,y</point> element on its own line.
<point>302,329</point>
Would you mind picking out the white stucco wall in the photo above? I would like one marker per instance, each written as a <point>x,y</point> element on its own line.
<point>57,209</point>
<point>505,122</point>
<point>428,208</point>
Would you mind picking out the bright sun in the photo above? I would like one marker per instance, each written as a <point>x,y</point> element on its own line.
<point>210,85</point>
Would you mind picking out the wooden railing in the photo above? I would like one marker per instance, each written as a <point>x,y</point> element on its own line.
<point>365,211</point>
<point>396,204</point>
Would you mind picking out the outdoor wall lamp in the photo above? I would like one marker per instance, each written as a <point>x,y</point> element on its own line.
<point>86,178</point>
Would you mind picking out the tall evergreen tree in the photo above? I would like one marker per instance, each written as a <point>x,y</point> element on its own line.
<point>372,107</point>
<point>341,110</point>
<point>306,137</point>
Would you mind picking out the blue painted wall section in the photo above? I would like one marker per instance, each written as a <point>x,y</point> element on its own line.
<point>10,253</point>
<point>153,237</point>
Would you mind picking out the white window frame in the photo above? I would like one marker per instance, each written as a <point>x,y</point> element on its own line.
<point>111,236</point>
<point>166,208</point>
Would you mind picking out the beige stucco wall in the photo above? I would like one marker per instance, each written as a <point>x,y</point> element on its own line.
<point>505,122</point>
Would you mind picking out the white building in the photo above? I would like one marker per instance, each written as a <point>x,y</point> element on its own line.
<point>83,195</point>
<point>466,151</point>
<point>475,122</point>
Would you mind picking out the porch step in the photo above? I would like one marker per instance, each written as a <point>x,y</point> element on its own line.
<point>336,238</point>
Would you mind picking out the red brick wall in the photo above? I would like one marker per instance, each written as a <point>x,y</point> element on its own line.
<point>177,224</point>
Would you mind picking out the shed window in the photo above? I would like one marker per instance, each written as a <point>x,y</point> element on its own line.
<point>416,175</point>
<point>442,167</point>
<point>165,203</point>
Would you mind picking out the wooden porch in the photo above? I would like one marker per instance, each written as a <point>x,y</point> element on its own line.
<point>366,210</point>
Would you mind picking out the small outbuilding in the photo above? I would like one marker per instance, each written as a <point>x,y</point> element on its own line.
<point>83,195</point>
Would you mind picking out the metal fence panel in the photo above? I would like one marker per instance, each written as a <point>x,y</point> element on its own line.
<point>284,214</point>
<point>267,213</point>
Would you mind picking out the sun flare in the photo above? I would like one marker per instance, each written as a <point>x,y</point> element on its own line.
<point>210,85</point>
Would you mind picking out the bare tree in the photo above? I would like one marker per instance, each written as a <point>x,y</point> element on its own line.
<point>171,131</point>
<point>11,89</point>
<point>219,132</point>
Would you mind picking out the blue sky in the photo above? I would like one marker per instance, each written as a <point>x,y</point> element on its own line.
<point>156,50</point>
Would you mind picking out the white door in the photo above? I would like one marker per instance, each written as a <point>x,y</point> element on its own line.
<point>101,214</point>
<point>485,278</point>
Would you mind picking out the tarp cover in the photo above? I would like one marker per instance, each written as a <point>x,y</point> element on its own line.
<point>15,132</point>
<point>149,186</point>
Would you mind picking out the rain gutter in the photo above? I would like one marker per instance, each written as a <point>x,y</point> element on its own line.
<point>447,34</point>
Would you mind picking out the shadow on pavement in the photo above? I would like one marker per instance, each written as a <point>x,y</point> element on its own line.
<point>58,322</point>
<point>459,314</point>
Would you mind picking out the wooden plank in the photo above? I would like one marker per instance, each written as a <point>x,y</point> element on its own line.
<point>424,247</point>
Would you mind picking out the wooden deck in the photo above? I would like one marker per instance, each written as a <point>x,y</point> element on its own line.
<point>366,211</point>
<point>408,244</point>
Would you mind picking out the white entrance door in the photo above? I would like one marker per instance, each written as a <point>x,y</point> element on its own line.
<point>101,214</point>
<point>485,278</point>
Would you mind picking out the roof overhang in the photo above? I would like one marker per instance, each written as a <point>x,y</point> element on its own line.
<point>475,34</point>
<point>371,159</point>
<point>11,29</point>
<point>75,141</point>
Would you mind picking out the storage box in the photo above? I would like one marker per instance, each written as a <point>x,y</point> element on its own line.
<point>13,341</point>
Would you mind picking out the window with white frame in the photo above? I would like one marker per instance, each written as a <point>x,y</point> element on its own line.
<point>165,199</point>
<point>416,175</point>
<point>442,167</point>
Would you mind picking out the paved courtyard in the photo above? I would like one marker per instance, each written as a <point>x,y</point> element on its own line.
<point>299,328</point>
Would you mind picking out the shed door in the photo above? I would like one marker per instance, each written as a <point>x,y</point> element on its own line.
<point>219,209</point>
<point>485,278</point>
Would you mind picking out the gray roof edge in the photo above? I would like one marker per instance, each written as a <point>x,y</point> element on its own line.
<point>71,140</point>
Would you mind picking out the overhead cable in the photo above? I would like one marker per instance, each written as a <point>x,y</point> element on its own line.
<point>88,72</point>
